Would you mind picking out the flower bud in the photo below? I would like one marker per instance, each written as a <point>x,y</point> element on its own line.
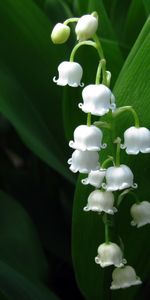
<point>99,201</point>
<point>84,161</point>
<point>109,254</point>
<point>60,33</point>
<point>124,278</point>
<point>87,138</point>
<point>69,73</point>
<point>86,27</point>
<point>140,214</point>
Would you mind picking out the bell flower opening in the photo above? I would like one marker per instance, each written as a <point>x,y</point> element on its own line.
<point>124,277</point>
<point>69,73</point>
<point>140,213</point>
<point>97,100</point>
<point>136,140</point>
<point>119,178</point>
<point>84,161</point>
<point>99,201</point>
<point>110,254</point>
<point>95,178</point>
<point>87,138</point>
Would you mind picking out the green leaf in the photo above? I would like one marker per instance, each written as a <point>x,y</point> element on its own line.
<point>15,286</point>
<point>29,123</point>
<point>147,6</point>
<point>135,20</point>
<point>32,102</point>
<point>57,13</point>
<point>131,88</point>
<point>19,243</point>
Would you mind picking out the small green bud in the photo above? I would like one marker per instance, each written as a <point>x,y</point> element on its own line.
<point>60,33</point>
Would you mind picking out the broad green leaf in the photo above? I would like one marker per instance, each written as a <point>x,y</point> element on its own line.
<point>117,11</point>
<point>19,243</point>
<point>131,88</point>
<point>57,13</point>
<point>15,286</point>
<point>134,21</point>
<point>32,63</point>
<point>29,123</point>
<point>147,6</point>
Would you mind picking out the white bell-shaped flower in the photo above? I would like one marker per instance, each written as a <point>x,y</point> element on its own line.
<point>137,140</point>
<point>97,99</point>
<point>87,138</point>
<point>99,201</point>
<point>110,254</point>
<point>124,278</point>
<point>95,178</point>
<point>69,73</point>
<point>86,27</point>
<point>140,213</point>
<point>60,33</point>
<point>84,161</point>
<point>118,178</point>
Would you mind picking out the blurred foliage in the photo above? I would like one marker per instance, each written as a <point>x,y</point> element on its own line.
<point>37,119</point>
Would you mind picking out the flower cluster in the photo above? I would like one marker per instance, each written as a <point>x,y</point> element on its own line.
<point>87,143</point>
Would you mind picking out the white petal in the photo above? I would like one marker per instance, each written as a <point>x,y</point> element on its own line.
<point>124,277</point>
<point>140,213</point>
<point>97,99</point>
<point>118,178</point>
<point>101,201</point>
<point>109,254</point>
<point>69,73</point>
<point>84,161</point>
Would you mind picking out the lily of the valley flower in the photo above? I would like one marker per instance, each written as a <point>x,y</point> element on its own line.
<point>137,140</point>
<point>86,27</point>
<point>69,73</point>
<point>97,99</point>
<point>95,178</point>
<point>60,33</point>
<point>99,201</point>
<point>110,254</point>
<point>124,278</point>
<point>118,178</point>
<point>87,138</point>
<point>84,161</point>
<point>140,213</point>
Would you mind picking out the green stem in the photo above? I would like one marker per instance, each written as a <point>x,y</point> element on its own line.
<point>77,46</point>
<point>98,73</point>
<point>104,72</point>
<point>98,45</point>
<point>70,20</point>
<point>106,229</point>
<point>101,67</point>
<point>123,109</point>
<point>106,161</point>
<point>89,119</point>
<point>118,141</point>
<point>124,194</point>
